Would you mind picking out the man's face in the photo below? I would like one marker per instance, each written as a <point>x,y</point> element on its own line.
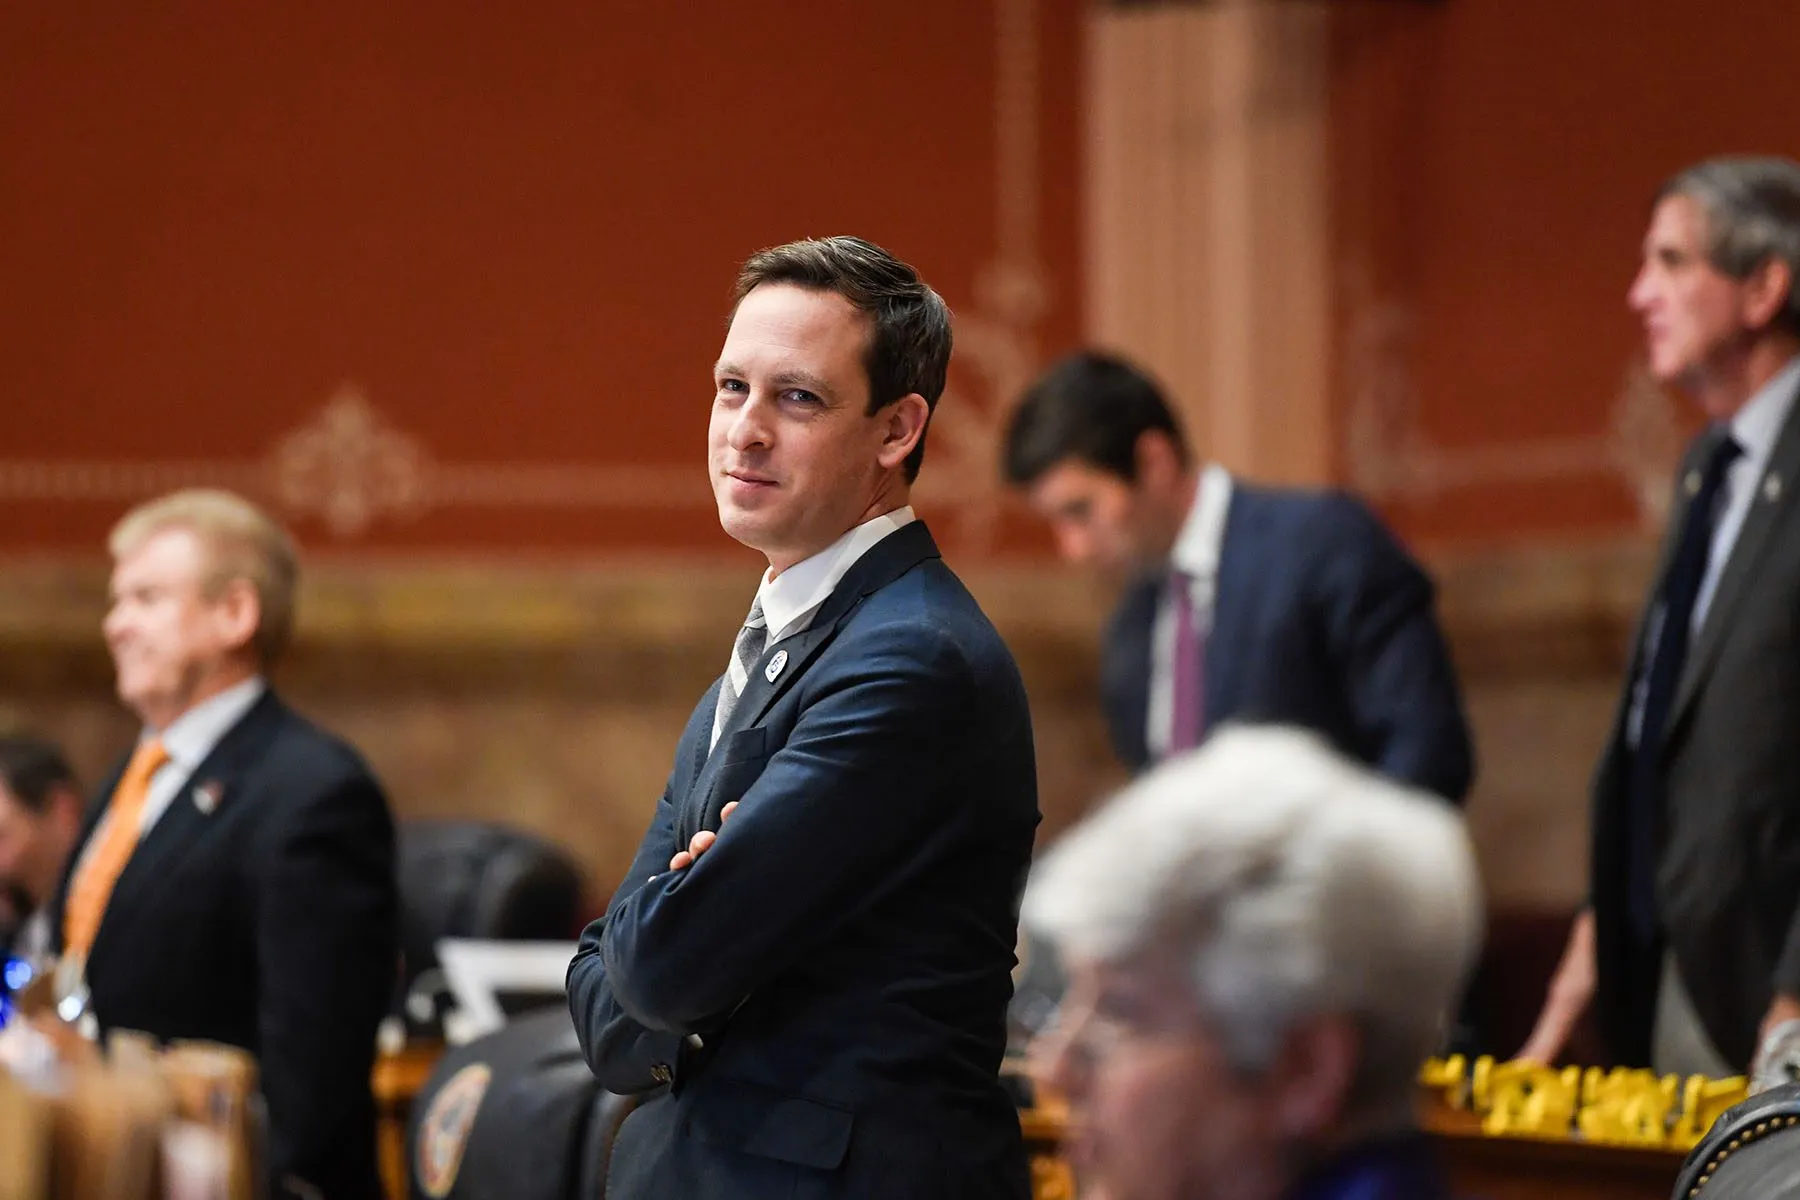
<point>1098,519</point>
<point>168,636</point>
<point>1693,314</point>
<point>33,847</point>
<point>795,457</point>
<point>1157,1112</point>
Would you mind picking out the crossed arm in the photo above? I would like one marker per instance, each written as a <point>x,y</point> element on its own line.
<point>852,796</point>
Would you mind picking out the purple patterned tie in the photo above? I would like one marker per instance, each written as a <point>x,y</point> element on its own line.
<point>1187,708</point>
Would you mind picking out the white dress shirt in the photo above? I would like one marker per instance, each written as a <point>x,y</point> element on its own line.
<point>187,741</point>
<point>32,943</point>
<point>1196,555</point>
<point>791,599</point>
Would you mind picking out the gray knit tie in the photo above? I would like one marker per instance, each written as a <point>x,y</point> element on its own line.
<point>752,640</point>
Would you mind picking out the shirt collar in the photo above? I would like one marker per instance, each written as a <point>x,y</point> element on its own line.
<point>190,737</point>
<point>797,592</point>
<point>1196,550</point>
<point>1759,422</point>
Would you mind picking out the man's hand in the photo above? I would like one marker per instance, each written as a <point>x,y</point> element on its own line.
<point>1782,1009</point>
<point>701,842</point>
<point>1571,990</point>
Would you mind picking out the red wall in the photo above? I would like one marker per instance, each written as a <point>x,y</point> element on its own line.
<point>514,233</point>
<point>1494,163</point>
<point>514,229</point>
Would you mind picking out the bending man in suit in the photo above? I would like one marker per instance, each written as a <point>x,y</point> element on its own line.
<point>236,884</point>
<point>813,946</point>
<point>1251,603</point>
<point>1690,944</point>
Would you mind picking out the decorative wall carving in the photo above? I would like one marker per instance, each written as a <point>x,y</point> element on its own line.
<point>1389,456</point>
<point>996,340</point>
<point>351,467</point>
<point>552,697</point>
<point>356,470</point>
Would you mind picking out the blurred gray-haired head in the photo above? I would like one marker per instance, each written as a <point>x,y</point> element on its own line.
<point>1752,207</point>
<point>1293,883</point>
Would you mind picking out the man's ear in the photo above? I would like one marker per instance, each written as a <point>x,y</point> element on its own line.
<point>67,806</point>
<point>238,612</point>
<point>1311,1079</point>
<point>1766,292</point>
<point>1157,458</point>
<point>904,424</point>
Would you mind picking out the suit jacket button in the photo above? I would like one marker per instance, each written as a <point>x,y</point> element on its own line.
<point>661,1073</point>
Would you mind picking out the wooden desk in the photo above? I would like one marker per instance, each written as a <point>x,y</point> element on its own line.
<point>1051,1176</point>
<point>1490,1167</point>
<point>1518,1168</point>
<point>397,1080</point>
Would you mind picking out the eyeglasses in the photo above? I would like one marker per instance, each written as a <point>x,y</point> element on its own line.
<point>1093,1030</point>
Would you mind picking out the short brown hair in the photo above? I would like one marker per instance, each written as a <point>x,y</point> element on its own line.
<point>33,770</point>
<point>242,542</point>
<point>1089,408</point>
<point>909,336</point>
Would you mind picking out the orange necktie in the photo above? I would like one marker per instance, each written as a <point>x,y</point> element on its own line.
<point>94,880</point>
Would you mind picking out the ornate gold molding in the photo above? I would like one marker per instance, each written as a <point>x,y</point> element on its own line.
<point>647,630</point>
<point>1389,456</point>
<point>1545,610</point>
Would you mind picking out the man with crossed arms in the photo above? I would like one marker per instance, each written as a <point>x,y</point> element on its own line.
<point>813,947</point>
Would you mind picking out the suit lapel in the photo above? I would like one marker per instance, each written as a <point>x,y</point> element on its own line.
<point>775,672</point>
<point>1128,668</point>
<point>787,660</point>
<point>102,796</point>
<point>1636,648</point>
<point>1768,509</point>
<point>1233,596</point>
<point>188,815</point>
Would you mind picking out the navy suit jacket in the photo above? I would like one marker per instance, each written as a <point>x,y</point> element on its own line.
<point>1403,1167</point>
<point>1321,620</point>
<point>269,920</point>
<point>844,951</point>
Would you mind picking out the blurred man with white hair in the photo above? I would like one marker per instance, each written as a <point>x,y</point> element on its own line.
<point>1264,941</point>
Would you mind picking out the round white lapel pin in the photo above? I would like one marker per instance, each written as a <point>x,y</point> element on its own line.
<point>1772,487</point>
<point>206,796</point>
<point>775,665</point>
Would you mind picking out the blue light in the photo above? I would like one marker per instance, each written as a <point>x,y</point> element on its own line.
<point>17,974</point>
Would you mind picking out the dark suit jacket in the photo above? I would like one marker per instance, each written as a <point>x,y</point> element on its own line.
<point>270,924</point>
<point>1728,873</point>
<point>1321,620</point>
<point>844,949</point>
<point>1403,1167</point>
